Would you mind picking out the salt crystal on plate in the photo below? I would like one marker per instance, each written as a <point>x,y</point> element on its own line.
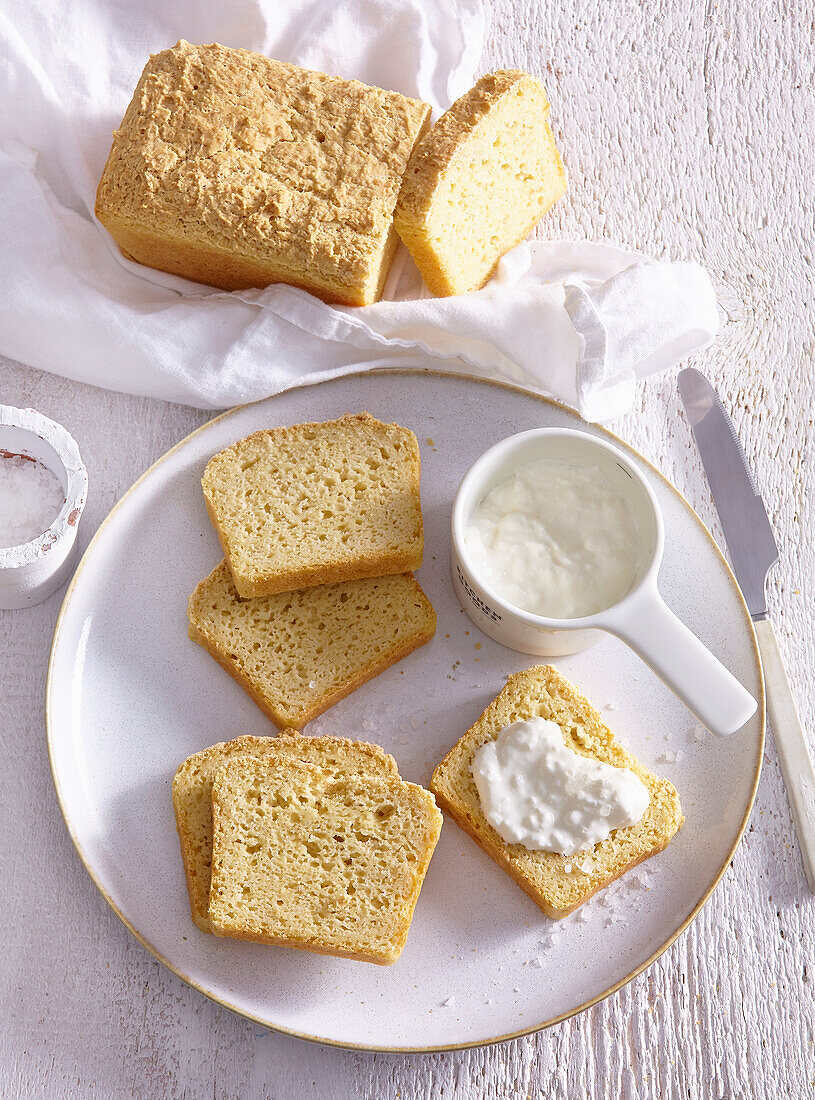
<point>449,1001</point>
<point>30,499</point>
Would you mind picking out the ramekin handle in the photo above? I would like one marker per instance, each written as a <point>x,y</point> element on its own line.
<point>689,669</point>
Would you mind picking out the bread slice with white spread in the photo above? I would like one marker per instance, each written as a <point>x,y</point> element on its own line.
<point>557,883</point>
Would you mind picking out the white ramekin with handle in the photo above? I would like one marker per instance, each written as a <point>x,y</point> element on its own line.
<point>641,618</point>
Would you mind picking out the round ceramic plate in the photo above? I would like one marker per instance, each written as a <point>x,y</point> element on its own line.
<point>130,696</point>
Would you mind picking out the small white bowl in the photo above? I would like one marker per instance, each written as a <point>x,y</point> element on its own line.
<point>640,618</point>
<point>29,573</point>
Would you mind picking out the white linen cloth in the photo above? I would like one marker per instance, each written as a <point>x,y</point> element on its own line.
<point>579,321</point>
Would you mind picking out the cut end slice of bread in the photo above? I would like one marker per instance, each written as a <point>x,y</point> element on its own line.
<point>478,181</point>
<point>306,858</point>
<point>296,653</point>
<point>317,503</point>
<point>557,883</point>
<point>192,793</point>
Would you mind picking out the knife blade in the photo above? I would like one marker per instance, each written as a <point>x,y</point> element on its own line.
<point>746,526</point>
<point>753,552</point>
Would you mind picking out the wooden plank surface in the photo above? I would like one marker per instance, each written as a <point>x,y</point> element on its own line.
<point>687,129</point>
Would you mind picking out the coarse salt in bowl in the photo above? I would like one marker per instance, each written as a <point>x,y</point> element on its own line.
<point>30,499</point>
<point>38,451</point>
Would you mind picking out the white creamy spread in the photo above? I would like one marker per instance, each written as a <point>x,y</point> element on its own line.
<point>556,540</point>
<point>30,499</point>
<point>537,792</point>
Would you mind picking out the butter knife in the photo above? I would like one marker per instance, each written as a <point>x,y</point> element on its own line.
<point>753,552</point>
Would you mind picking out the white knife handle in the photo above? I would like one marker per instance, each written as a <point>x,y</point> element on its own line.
<point>677,656</point>
<point>791,744</point>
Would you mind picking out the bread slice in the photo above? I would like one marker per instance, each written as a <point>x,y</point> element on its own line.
<point>296,653</point>
<point>192,793</point>
<point>478,181</point>
<point>317,503</point>
<point>307,858</point>
<point>558,883</point>
<point>238,171</point>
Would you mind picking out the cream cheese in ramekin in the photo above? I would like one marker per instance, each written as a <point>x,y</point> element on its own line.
<point>556,539</point>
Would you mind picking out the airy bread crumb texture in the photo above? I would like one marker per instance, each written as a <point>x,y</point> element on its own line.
<point>306,858</point>
<point>238,171</point>
<point>317,503</point>
<point>478,181</point>
<point>557,883</point>
<point>296,653</point>
<point>192,793</point>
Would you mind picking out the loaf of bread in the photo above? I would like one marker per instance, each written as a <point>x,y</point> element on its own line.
<point>478,182</point>
<point>192,793</point>
<point>559,884</point>
<point>238,171</point>
<point>296,653</point>
<point>315,859</point>
<point>317,503</point>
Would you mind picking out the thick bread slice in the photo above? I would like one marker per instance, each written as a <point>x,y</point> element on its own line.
<point>317,503</point>
<point>542,691</point>
<point>239,171</point>
<point>296,653</point>
<point>324,862</point>
<point>192,793</point>
<point>478,181</point>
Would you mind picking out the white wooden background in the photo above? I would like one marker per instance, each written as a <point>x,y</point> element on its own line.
<point>688,130</point>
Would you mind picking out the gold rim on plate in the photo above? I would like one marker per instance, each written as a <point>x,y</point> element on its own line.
<point>449,1046</point>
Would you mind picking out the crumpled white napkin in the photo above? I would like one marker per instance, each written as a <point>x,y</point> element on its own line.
<point>580,321</point>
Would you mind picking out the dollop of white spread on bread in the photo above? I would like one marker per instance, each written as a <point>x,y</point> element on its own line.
<point>537,792</point>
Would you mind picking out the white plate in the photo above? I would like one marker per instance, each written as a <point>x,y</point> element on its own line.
<point>129,697</point>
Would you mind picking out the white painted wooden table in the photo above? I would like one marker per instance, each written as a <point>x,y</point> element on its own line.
<point>687,128</point>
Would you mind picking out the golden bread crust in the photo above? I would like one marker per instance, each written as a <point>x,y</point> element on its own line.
<point>236,170</point>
